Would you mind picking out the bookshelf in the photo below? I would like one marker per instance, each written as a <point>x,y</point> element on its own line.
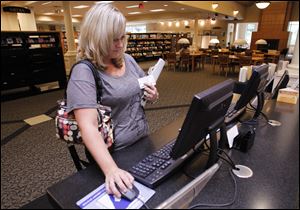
<point>31,58</point>
<point>150,46</point>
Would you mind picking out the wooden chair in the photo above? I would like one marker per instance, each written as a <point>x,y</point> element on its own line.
<point>224,62</point>
<point>185,61</point>
<point>171,59</point>
<point>245,61</point>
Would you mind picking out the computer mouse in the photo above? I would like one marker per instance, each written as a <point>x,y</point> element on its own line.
<point>131,194</point>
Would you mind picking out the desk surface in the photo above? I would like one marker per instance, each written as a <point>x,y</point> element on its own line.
<point>274,159</point>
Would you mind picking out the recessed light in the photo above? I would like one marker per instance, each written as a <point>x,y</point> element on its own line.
<point>165,5</point>
<point>133,13</point>
<point>132,6</point>
<point>157,10</point>
<point>81,7</point>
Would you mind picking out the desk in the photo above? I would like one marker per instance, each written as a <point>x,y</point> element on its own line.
<point>274,159</point>
<point>194,55</point>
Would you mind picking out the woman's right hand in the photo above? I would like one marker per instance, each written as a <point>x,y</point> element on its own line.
<point>119,177</point>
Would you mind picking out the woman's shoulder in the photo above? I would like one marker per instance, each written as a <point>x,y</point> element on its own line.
<point>81,71</point>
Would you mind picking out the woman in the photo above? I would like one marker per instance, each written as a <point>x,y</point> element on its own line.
<point>103,42</point>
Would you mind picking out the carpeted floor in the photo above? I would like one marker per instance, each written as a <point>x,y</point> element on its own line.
<point>33,159</point>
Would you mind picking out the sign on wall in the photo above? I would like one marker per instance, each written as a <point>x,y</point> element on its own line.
<point>16,9</point>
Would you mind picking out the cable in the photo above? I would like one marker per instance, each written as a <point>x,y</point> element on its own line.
<point>222,204</point>
<point>229,159</point>
<point>144,204</point>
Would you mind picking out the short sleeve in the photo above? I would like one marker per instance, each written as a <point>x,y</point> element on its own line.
<point>140,71</point>
<point>81,90</point>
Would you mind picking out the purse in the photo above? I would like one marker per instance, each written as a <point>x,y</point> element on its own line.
<point>65,123</point>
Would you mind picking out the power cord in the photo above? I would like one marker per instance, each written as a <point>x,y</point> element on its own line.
<point>222,204</point>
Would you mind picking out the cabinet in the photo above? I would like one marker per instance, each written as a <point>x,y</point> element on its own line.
<point>31,58</point>
<point>149,46</point>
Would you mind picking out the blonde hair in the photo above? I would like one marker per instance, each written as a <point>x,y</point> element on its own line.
<point>101,25</point>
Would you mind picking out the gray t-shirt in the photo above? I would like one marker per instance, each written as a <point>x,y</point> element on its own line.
<point>122,94</point>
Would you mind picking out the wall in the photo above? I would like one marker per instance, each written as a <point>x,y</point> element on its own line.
<point>9,21</point>
<point>273,24</point>
<point>17,21</point>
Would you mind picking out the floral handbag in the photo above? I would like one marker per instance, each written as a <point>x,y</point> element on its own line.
<point>65,123</point>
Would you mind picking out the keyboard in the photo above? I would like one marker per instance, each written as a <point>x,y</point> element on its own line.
<point>156,167</point>
<point>232,114</point>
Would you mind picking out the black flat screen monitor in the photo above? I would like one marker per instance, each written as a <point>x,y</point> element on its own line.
<point>253,86</point>
<point>284,80</point>
<point>205,113</point>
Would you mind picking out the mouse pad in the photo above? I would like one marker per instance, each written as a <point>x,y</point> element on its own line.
<point>99,199</point>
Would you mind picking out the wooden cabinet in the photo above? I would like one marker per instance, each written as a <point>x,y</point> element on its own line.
<point>31,58</point>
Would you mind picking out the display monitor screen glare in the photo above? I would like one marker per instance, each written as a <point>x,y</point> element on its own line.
<point>206,112</point>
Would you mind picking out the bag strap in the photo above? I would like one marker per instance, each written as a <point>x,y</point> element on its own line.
<point>98,81</point>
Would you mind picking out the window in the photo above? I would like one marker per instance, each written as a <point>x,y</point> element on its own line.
<point>136,28</point>
<point>293,28</point>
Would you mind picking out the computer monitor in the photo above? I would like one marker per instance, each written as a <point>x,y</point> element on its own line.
<point>253,87</point>
<point>205,115</point>
<point>284,80</point>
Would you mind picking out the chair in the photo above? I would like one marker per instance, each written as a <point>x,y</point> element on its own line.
<point>224,62</point>
<point>171,59</point>
<point>245,61</point>
<point>185,61</point>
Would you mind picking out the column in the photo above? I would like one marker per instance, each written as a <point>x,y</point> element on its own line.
<point>294,65</point>
<point>70,55</point>
<point>195,41</point>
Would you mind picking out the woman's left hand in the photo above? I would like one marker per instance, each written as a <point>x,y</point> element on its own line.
<point>151,93</point>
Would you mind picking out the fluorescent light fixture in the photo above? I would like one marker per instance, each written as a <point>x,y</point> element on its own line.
<point>133,6</point>
<point>103,2</point>
<point>262,4</point>
<point>133,13</point>
<point>49,2</point>
<point>214,5</point>
<point>49,13</point>
<point>81,7</point>
<point>157,10</point>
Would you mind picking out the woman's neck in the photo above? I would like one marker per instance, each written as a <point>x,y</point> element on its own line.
<point>112,70</point>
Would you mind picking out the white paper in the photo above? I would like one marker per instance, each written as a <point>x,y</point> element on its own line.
<point>153,74</point>
<point>99,199</point>
<point>146,80</point>
<point>231,134</point>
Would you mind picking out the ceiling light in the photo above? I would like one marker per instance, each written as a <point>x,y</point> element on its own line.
<point>103,2</point>
<point>182,8</point>
<point>213,21</point>
<point>214,5</point>
<point>162,23</point>
<point>157,10</point>
<point>177,24</point>
<point>262,4</point>
<point>132,6</point>
<point>186,22</point>
<point>49,2</point>
<point>133,13</point>
<point>81,7</point>
<point>202,22</point>
<point>165,5</point>
<point>169,23</point>
<point>49,13</point>
<point>235,12</point>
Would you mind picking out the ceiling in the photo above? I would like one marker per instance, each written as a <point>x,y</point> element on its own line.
<point>55,7</point>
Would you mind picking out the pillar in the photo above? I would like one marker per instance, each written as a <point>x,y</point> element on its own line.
<point>70,55</point>
<point>294,65</point>
<point>195,41</point>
